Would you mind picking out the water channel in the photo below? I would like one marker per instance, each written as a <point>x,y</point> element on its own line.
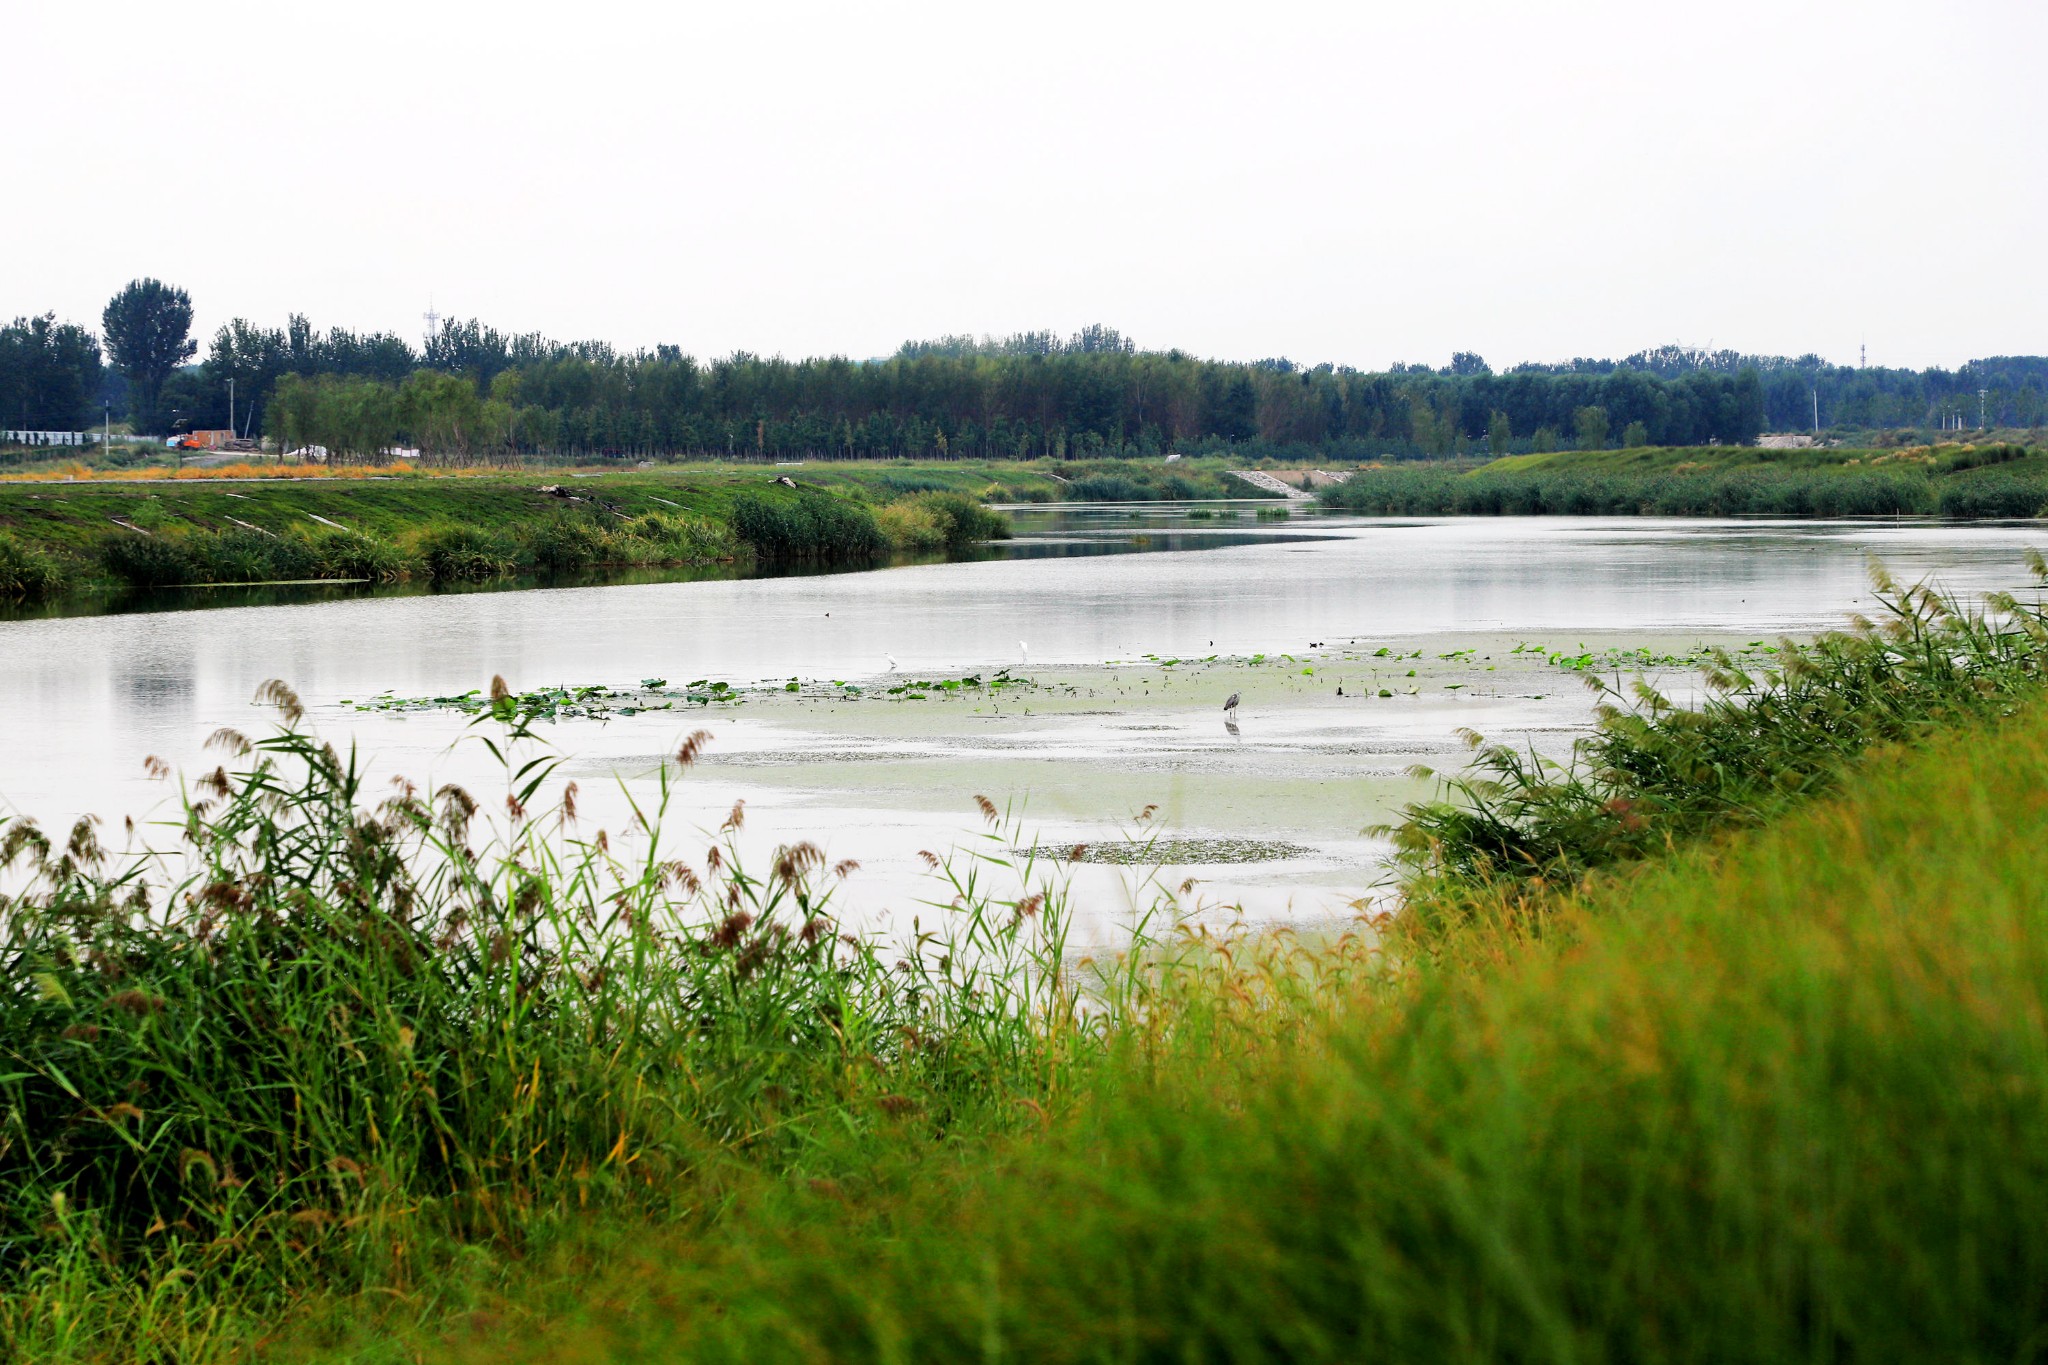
<point>1087,604</point>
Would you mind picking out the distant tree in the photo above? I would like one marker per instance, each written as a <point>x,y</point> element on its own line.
<point>1435,431</point>
<point>1231,406</point>
<point>1634,436</point>
<point>291,417</point>
<point>148,329</point>
<point>49,375</point>
<point>443,414</point>
<point>351,418</point>
<point>1544,440</point>
<point>1096,339</point>
<point>1466,364</point>
<point>189,401</point>
<point>1592,427</point>
<point>254,357</point>
<point>1498,433</point>
<point>469,349</point>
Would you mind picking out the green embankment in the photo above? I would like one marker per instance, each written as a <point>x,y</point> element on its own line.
<point>1970,482</point>
<point>58,537</point>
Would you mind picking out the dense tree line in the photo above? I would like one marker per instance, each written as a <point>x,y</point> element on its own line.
<point>49,375</point>
<point>472,391</point>
<point>1073,400</point>
<point>2002,391</point>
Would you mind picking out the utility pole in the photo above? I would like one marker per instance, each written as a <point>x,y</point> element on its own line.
<point>1816,409</point>
<point>231,407</point>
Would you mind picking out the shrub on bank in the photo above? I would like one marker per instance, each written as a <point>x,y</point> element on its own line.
<point>148,560</point>
<point>661,538</point>
<point>449,553</point>
<point>912,527</point>
<point>244,556</point>
<point>1994,496</point>
<point>27,575</point>
<point>810,527</point>
<point>1652,773</point>
<point>564,542</point>
<point>940,521</point>
<point>1756,491</point>
<point>350,554</point>
<point>458,554</point>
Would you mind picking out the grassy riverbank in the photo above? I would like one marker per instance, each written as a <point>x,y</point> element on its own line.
<point>1967,482</point>
<point>402,524</point>
<point>383,1080</point>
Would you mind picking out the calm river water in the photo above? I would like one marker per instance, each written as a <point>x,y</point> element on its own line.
<point>1075,603</point>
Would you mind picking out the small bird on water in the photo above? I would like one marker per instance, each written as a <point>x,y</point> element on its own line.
<point>1230,707</point>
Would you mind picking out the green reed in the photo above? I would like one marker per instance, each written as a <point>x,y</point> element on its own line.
<point>1653,773</point>
<point>333,1025</point>
<point>1782,1099</point>
<point>1751,491</point>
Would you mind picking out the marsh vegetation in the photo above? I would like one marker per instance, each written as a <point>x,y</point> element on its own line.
<point>1962,482</point>
<point>1711,983</point>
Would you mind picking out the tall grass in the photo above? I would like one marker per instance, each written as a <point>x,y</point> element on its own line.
<point>1653,773</point>
<point>163,556</point>
<point>810,527</point>
<point>332,1028</point>
<point>154,550</point>
<point>27,575</point>
<point>1783,1100</point>
<point>1829,492</point>
<point>1131,481</point>
<point>940,521</point>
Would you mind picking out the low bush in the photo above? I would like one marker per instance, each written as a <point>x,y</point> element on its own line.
<point>1762,490</point>
<point>967,521</point>
<point>940,521</point>
<point>350,554</point>
<point>912,527</point>
<point>1975,457</point>
<point>1653,774</point>
<point>27,575</point>
<point>660,538</point>
<point>148,560</point>
<point>565,542</point>
<point>245,556</point>
<point>454,554</point>
<point>810,526</point>
<point>1995,495</point>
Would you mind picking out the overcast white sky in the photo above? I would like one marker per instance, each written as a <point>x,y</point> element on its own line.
<point>1358,183</point>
